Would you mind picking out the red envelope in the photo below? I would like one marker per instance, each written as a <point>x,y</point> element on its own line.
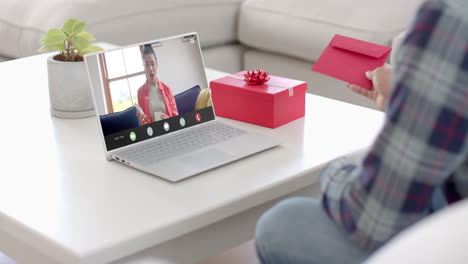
<point>348,59</point>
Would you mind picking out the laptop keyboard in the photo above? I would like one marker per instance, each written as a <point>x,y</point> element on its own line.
<point>180,143</point>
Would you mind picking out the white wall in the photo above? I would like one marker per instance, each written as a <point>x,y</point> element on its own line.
<point>180,65</point>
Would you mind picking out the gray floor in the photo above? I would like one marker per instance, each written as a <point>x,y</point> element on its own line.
<point>244,254</point>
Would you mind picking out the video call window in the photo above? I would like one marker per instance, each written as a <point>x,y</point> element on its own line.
<point>150,89</point>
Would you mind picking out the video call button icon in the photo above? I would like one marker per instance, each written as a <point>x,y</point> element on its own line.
<point>132,136</point>
<point>166,126</point>
<point>149,131</point>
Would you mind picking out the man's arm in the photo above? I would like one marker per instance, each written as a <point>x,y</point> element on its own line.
<point>422,142</point>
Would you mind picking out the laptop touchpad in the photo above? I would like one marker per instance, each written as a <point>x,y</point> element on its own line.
<point>207,158</point>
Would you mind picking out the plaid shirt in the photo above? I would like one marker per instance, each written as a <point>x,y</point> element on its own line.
<point>423,144</point>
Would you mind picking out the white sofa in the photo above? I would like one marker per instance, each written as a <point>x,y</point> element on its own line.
<point>439,238</point>
<point>282,37</point>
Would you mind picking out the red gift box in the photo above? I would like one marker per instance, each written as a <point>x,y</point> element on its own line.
<point>272,104</point>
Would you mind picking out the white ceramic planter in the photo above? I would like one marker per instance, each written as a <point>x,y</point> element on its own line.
<point>69,90</point>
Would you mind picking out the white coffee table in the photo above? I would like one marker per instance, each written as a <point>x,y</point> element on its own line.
<point>61,201</point>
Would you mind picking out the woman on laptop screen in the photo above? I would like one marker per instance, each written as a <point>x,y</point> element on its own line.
<point>154,97</point>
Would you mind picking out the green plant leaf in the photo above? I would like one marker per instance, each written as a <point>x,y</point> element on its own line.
<point>86,35</point>
<point>54,36</point>
<point>80,42</point>
<point>78,27</point>
<point>68,25</point>
<point>90,49</point>
<point>48,47</point>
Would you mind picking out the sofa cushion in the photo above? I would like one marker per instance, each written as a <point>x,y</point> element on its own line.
<point>303,28</point>
<point>204,99</point>
<point>23,23</point>
<point>186,100</point>
<point>119,121</point>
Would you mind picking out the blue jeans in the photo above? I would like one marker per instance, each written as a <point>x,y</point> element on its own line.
<point>297,230</point>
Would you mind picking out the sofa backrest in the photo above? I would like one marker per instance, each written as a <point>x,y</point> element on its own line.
<point>303,28</point>
<point>121,22</point>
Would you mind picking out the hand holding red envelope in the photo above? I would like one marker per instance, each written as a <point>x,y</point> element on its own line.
<point>348,59</point>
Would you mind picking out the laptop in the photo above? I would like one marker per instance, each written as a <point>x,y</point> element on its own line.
<point>154,109</point>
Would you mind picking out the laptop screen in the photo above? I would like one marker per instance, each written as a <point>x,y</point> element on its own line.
<point>149,89</point>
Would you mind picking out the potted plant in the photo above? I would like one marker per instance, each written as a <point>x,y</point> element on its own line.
<point>69,91</point>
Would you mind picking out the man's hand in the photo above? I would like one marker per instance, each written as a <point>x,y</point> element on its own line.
<point>381,79</point>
